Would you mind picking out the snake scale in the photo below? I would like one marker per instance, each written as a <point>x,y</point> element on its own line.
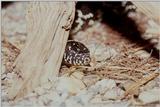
<point>76,54</point>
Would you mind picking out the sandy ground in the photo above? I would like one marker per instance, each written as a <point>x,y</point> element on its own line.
<point>123,73</point>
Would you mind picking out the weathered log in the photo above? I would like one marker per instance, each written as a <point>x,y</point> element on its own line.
<point>48,25</point>
<point>151,9</point>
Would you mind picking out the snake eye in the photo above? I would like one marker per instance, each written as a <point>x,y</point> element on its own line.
<point>87,60</point>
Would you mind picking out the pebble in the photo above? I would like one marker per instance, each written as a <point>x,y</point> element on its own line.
<point>83,97</point>
<point>91,22</point>
<point>150,96</point>
<point>102,52</point>
<point>149,85</point>
<point>73,84</point>
<point>113,94</point>
<point>70,85</point>
<point>105,84</point>
<point>90,79</point>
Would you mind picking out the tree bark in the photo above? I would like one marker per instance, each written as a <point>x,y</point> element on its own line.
<point>48,25</point>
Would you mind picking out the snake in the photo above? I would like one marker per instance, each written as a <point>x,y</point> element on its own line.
<point>76,54</point>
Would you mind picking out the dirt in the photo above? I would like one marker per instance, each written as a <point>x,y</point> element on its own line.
<point>118,52</point>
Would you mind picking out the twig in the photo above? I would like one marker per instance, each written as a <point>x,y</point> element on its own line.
<point>133,87</point>
<point>124,68</point>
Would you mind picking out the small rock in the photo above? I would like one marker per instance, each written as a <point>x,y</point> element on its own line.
<point>147,36</point>
<point>154,41</point>
<point>91,22</point>
<point>90,79</point>
<point>80,14</point>
<point>90,94</point>
<point>149,85</point>
<point>113,94</point>
<point>102,52</point>
<point>150,96</point>
<point>105,84</point>
<point>100,87</point>
<point>70,85</point>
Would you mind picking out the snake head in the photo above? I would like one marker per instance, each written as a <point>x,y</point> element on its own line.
<point>86,60</point>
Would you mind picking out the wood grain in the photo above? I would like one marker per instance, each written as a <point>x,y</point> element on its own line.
<point>151,9</point>
<point>48,25</point>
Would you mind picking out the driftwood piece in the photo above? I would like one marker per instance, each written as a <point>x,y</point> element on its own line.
<point>151,9</point>
<point>48,25</point>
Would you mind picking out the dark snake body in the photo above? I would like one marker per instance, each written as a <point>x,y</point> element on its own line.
<point>76,54</point>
